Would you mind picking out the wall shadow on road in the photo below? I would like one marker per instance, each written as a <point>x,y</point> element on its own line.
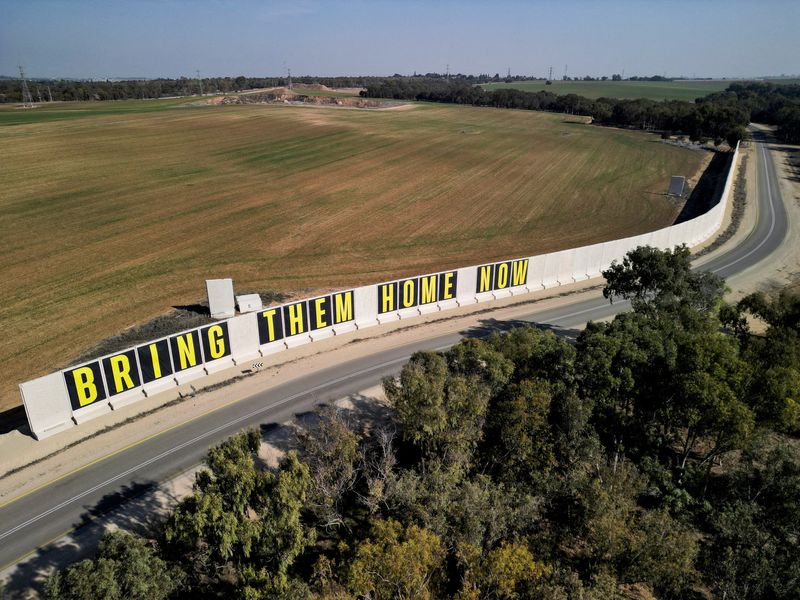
<point>487,327</point>
<point>145,505</point>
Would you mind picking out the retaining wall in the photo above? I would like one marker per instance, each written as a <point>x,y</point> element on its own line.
<point>71,396</point>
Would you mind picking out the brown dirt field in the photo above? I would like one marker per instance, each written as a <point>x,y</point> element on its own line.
<point>110,219</point>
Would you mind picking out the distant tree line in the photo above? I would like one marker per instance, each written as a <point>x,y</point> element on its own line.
<point>114,89</point>
<point>718,116</point>
<point>657,456</point>
<point>82,90</point>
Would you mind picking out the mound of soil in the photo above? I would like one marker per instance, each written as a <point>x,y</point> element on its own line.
<point>284,96</point>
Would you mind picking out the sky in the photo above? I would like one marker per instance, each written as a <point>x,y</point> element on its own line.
<point>172,38</point>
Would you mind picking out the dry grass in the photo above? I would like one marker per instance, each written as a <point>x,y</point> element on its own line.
<point>110,219</point>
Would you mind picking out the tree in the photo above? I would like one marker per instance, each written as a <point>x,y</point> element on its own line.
<point>537,354</point>
<point>125,567</point>
<point>397,562</point>
<point>519,441</point>
<point>774,391</point>
<point>441,413</point>
<point>477,358</point>
<point>508,571</point>
<point>330,449</point>
<point>475,510</point>
<point>241,518</point>
<point>663,279</point>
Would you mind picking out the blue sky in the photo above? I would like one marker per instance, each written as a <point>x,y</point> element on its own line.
<point>169,38</point>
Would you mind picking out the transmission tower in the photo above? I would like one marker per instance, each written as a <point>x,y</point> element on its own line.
<point>49,93</point>
<point>508,76</point>
<point>199,81</point>
<point>448,72</point>
<point>550,75</point>
<point>565,72</point>
<point>27,99</point>
<point>289,72</point>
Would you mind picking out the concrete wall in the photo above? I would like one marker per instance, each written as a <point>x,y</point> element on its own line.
<point>74,395</point>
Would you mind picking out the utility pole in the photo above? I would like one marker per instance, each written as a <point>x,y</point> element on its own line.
<point>199,81</point>
<point>27,99</point>
<point>289,71</point>
<point>448,72</point>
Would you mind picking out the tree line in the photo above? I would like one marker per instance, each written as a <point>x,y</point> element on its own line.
<point>45,90</point>
<point>658,455</point>
<point>99,90</point>
<point>721,116</point>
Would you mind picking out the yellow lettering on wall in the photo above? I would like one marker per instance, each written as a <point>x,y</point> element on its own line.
<point>502,276</point>
<point>320,312</point>
<point>156,362</point>
<point>428,289</point>
<point>485,279</point>
<point>409,293</point>
<point>387,297</point>
<point>121,370</point>
<point>186,354</point>
<point>447,286</point>
<point>269,316</point>
<point>519,275</point>
<point>84,385</point>
<point>296,324</point>
<point>216,341</point>
<point>343,306</point>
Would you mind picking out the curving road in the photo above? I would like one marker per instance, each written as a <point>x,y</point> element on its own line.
<point>29,524</point>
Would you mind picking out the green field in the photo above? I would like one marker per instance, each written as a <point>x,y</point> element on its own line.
<point>652,90</point>
<point>110,213</point>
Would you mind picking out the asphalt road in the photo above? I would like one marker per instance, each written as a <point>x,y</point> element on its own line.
<point>29,524</point>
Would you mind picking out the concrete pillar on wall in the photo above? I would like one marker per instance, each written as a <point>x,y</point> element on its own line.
<point>221,300</point>
<point>566,260</point>
<point>550,274</point>
<point>677,235</point>
<point>243,333</point>
<point>583,258</point>
<point>595,263</point>
<point>46,405</point>
<point>366,306</point>
<point>660,239</point>
<point>536,272</point>
<point>466,285</point>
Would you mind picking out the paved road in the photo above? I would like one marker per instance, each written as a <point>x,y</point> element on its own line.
<point>31,522</point>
